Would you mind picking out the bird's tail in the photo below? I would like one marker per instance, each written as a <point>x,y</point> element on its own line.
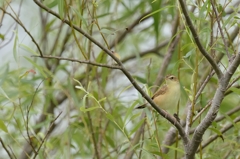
<point>142,106</point>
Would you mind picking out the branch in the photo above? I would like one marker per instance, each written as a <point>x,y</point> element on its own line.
<point>223,130</point>
<point>172,131</point>
<point>5,148</point>
<point>220,28</point>
<point>47,134</point>
<point>153,50</point>
<point>168,56</point>
<point>198,43</point>
<point>170,118</point>
<point>20,23</point>
<point>27,150</point>
<point>106,50</point>
<point>28,111</point>
<point>128,29</point>
<point>212,113</point>
<point>79,61</point>
<point>170,135</point>
<point>135,140</point>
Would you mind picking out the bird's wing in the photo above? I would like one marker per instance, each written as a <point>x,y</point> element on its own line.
<point>161,91</point>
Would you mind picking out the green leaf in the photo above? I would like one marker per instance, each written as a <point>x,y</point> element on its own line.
<point>3,126</point>
<point>49,24</point>
<point>129,111</point>
<point>110,141</point>
<point>156,17</point>
<point>73,93</point>
<point>174,148</point>
<point>40,69</point>
<point>4,94</point>
<point>53,4</point>
<point>157,11</point>
<point>235,90</point>
<point>105,73</point>
<point>79,15</point>
<point>15,45</point>
<point>231,120</point>
<point>61,8</point>
<point>202,12</point>
<point>28,49</point>
<point>137,126</point>
<point>216,130</point>
<point>110,117</point>
<point>2,36</point>
<point>140,79</point>
<point>83,109</point>
<point>158,153</point>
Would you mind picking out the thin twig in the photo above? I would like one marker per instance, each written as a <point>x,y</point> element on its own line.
<point>153,50</point>
<point>229,113</point>
<point>15,157</point>
<point>168,56</point>
<point>5,148</point>
<point>28,110</point>
<point>128,29</point>
<point>213,111</point>
<point>21,24</point>
<point>170,118</point>
<point>223,130</point>
<point>47,134</point>
<point>198,43</point>
<point>220,28</point>
<point>79,61</point>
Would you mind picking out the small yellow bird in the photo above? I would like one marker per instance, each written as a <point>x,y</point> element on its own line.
<point>168,95</point>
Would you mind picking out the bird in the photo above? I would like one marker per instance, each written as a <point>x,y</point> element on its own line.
<point>168,95</point>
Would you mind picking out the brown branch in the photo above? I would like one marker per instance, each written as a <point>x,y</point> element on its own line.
<point>198,43</point>
<point>5,148</point>
<point>213,111</point>
<point>170,135</point>
<point>168,56</point>
<point>135,140</point>
<point>21,24</point>
<point>27,150</point>
<point>229,113</point>
<point>223,130</point>
<point>27,120</point>
<point>218,119</point>
<point>47,134</point>
<point>170,118</point>
<point>80,61</point>
<point>220,28</point>
<point>153,50</point>
<point>128,29</point>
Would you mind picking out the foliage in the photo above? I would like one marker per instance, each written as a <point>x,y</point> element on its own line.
<point>63,96</point>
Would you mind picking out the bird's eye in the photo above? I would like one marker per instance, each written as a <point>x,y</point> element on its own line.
<point>171,78</point>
